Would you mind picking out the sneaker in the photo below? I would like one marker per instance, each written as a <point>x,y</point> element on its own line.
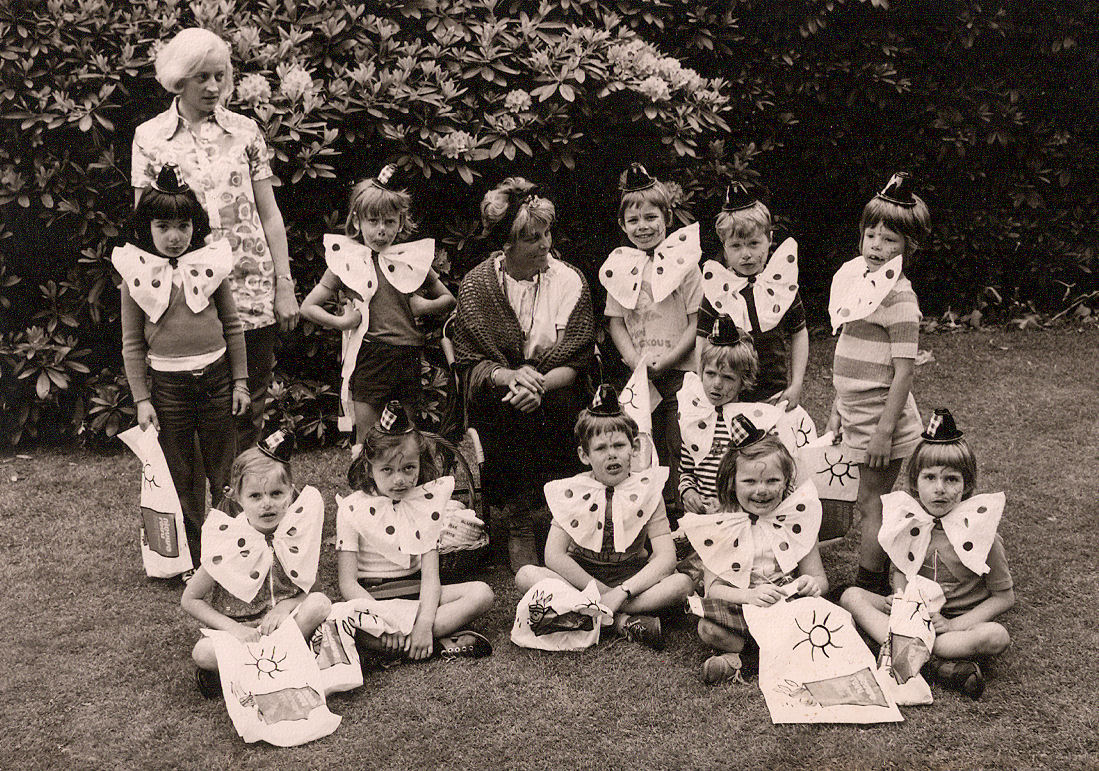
<point>724,667</point>
<point>186,576</point>
<point>645,630</point>
<point>208,682</point>
<point>960,675</point>
<point>464,644</point>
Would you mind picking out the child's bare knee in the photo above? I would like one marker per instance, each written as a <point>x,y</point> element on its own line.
<point>995,639</point>
<point>203,654</point>
<point>707,631</point>
<point>483,596</point>
<point>527,577</point>
<point>852,598</point>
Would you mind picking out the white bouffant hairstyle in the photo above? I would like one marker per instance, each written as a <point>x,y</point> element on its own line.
<point>185,54</point>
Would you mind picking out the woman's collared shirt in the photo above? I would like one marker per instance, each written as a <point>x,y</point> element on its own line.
<point>543,304</point>
<point>219,156</point>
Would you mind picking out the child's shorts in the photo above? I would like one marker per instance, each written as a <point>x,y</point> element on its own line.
<point>859,415</point>
<point>384,372</point>
<point>611,573</point>
<point>725,614</point>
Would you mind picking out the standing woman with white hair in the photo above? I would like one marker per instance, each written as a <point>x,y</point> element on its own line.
<point>224,158</point>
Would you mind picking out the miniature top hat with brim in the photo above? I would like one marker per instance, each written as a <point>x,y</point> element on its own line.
<point>724,331</point>
<point>605,401</point>
<point>394,420</point>
<point>941,428</point>
<point>898,190</point>
<point>170,180</point>
<point>389,178</point>
<point>278,445</point>
<point>738,197</point>
<point>743,432</point>
<point>635,178</point>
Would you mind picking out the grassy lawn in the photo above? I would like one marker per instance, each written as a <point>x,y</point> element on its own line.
<point>96,672</point>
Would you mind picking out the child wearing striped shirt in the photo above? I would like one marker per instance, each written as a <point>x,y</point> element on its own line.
<point>874,414</point>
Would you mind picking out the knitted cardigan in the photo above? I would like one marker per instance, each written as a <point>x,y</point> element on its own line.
<point>487,334</point>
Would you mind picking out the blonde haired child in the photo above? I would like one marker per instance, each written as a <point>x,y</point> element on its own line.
<point>387,288</point>
<point>762,538</point>
<point>258,568</point>
<point>874,306</point>
<point>947,534</point>
<point>606,520</point>
<point>386,544</point>
<point>760,294</point>
<point>653,293</point>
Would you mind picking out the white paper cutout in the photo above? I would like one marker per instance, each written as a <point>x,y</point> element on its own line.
<point>638,399</point>
<point>578,505</point>
<point>857,291</point>
<point>399,530</point>
<point>623,271</point>
<point>970,527</point>
<point>164,548</point>
<point>773,288</point>
<point>554,616</point>
<point>148,277</point>
<point>911,639</point>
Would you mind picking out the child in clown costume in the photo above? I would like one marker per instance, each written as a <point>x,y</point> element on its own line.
<point>758,548</point>
<point>258,568</point>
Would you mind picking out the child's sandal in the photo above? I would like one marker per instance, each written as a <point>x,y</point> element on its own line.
<point>724,667</point>
<point>960,675</point>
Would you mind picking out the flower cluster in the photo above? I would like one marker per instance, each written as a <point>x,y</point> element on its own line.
<point>296,83</point>
<point>656,88</point>
<point>517,101</point>
<point>246,41</point>
<point>503,123</point>
<point>455,144</point>
<point>254,89</point>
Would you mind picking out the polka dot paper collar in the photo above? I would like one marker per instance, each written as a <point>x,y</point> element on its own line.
<point>402,529</point>
<point>149,276</point>
<point>857,291</point>
<point>773,288</point>
<point>623,271</point>
<point>970,527</point>
<point>238,556</point>
<point>726,542</point>
<point>579,506</point>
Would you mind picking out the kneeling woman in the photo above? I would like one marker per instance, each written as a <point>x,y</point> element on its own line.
<point>523,332</point>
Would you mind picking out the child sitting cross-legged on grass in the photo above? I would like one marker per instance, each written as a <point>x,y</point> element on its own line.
<point>948,535</point>
<point>258,568</point>
<point>606,521</point>
<point>387,537</point>
<point>762,537</point>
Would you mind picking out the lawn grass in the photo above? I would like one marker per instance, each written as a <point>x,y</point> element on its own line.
<point>96,670</point>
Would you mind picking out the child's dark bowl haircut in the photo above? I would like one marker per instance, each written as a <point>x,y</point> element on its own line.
<point>589,426</point>
<point>158,205</point>
<point>912,222</point>
<point>376,445</point>
<point>956,455</point>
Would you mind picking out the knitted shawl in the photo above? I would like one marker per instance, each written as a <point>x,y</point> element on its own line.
<point>487,334</point>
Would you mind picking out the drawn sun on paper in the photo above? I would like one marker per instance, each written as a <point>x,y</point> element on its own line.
<point>148,477</point>
<point>266,663</point>
<point>818,635</point>
<point>838,470</point>
<point>628,397</point>
<point>801,434</point>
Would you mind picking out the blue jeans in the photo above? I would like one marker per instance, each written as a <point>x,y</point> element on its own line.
<point>198,404</point>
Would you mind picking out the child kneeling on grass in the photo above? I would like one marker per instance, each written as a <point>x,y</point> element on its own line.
<point>258,569</point>
<point>949,536</point>
<point>763,537</point>
<point>602,520</point>
<point>387,537</point>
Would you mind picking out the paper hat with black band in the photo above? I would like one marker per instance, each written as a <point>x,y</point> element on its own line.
<point>170,180</point>
<point>636,178</point>
<point>738,197</point>
<point>898,190</point>
<point>394,420</point>
<point>389,178</point>
<point>278,445</point>
<point>941,428</point>
<point>605,402</point>
<point>724,332</point>
<point>743,432</point>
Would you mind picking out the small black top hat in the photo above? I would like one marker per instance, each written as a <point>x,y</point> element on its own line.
<point>724,331</point>
<point>743,432</point>
<point>389,178</point>
<point>739,197</point>
<point>278,445</point>
<point>170,180</point>
<point>898,190</point>
<point>636,178</point>
<point>605,401</point>
<point>941,429</point>
<point>394,420</point>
